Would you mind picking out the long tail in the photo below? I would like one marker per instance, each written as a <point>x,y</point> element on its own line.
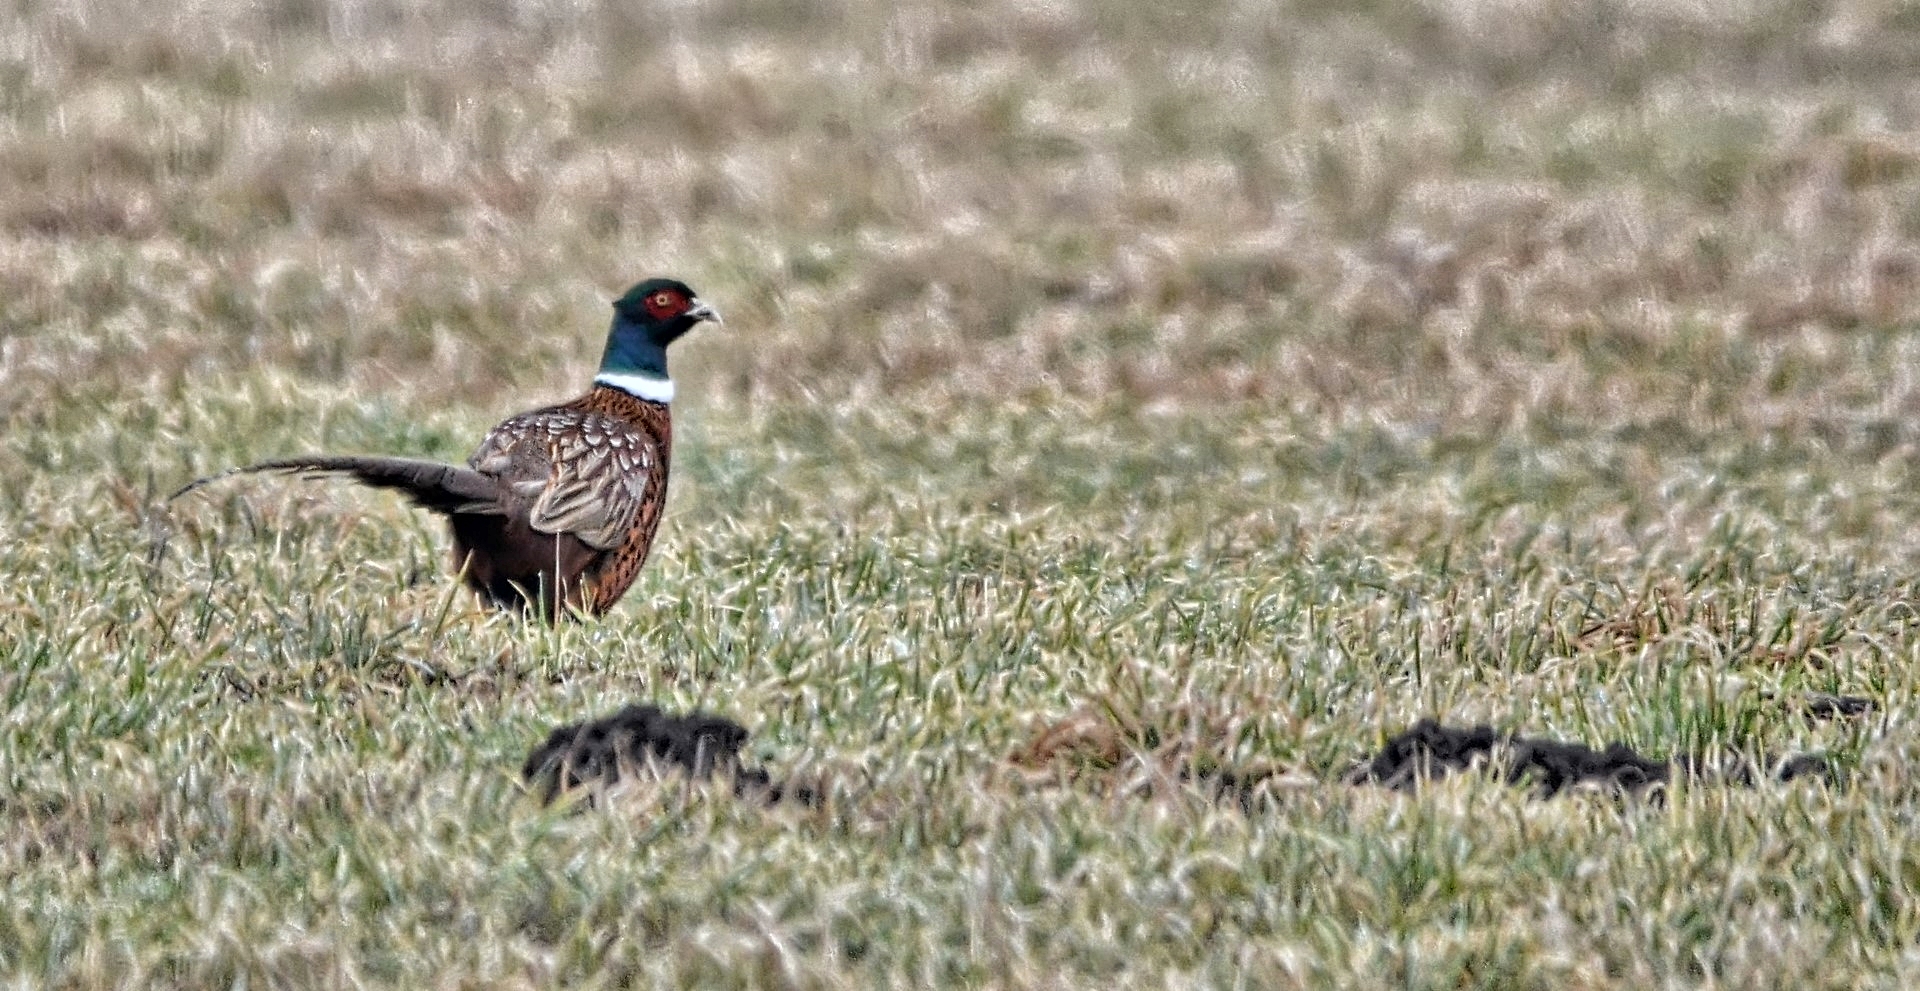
<point>440,487</point>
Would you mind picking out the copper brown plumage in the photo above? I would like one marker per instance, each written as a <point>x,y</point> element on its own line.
<point>585,483</point>
<point>558,507</point>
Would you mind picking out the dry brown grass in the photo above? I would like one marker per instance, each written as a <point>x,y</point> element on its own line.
<point>1477,214</point>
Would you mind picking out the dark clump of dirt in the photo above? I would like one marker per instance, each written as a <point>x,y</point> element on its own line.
<point>1431,750</point>
<point>1820,705</point>
<point>643,740</point>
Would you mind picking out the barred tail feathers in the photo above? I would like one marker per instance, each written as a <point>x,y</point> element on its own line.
<point>432,485</point>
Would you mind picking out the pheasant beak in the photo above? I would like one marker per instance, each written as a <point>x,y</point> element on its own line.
<point>698,310</point>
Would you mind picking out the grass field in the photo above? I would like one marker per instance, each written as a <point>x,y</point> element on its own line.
<point>1232,383</point>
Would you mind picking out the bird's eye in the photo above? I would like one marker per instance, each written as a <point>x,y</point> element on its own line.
<point>663,300</point>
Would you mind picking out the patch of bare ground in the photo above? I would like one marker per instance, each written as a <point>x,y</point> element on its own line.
<point>644,742</point>
<point>1429,750</point>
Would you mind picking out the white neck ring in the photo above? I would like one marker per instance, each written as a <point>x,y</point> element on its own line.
<point>647,387</point>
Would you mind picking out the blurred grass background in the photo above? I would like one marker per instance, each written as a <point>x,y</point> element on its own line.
<point>1265,375</point>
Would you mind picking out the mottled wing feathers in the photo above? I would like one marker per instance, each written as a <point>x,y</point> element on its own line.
<point>586,473</point>
<point>430,484</point>
<point>599,485</point>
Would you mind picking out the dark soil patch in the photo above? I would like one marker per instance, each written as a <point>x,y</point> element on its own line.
<point>1820,705</point>
<point>643,740</point>
<point>1430,750</point>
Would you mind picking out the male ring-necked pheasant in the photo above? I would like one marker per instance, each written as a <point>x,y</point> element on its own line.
<point>558,505</point>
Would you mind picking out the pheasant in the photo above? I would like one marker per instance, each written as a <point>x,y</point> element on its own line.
<point>558,506</point>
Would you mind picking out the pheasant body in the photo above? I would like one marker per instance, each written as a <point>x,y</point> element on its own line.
<point>583,485</point>
<point>557,507</point>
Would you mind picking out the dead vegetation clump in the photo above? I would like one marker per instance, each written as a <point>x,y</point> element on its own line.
<point>1096,747</point>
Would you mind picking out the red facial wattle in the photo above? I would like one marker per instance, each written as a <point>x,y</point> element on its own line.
<point>665,305</point>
